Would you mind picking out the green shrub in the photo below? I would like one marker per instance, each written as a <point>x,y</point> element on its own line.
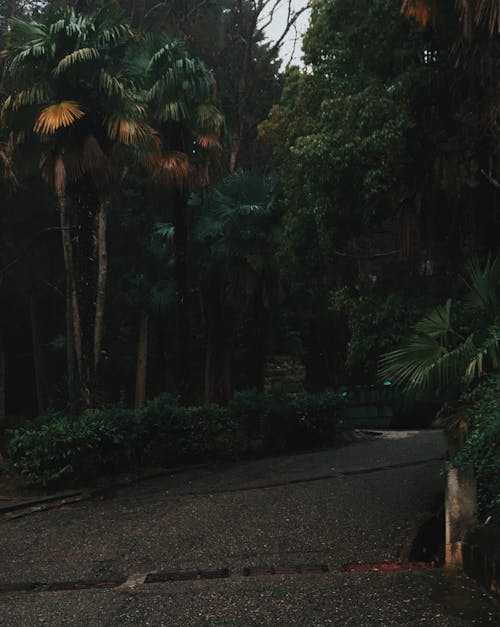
<point>57,447</point>
<point>482,446</point>
<point>192,432</point>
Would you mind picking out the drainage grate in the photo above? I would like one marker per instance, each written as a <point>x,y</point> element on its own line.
<point>196,575</point>
<point>5,588</point>
<point>223,573</point>
<point>310,569</point>
<point>62,586</point>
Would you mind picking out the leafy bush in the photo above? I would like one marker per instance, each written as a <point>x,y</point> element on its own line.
<point>57,447</point>
<point>482,446</point>
<point>376,324</point>
<point>193,433</point>
<point>54,447</point>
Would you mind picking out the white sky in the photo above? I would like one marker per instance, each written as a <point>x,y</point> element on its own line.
<point>275,29</point>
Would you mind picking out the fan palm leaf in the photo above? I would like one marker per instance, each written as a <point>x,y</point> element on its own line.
<point>56,116</point>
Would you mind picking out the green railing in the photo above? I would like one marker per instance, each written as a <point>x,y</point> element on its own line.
<point>384,406</point>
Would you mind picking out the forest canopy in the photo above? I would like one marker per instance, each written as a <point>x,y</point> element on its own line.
<point>178,204</point>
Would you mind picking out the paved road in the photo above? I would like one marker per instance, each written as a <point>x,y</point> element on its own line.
<point>301,517</point>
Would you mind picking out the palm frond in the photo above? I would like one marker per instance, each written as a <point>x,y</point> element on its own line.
<point>56,116</point>
<point>437,323</point>
<point>173,111</point>
<point>111,85</point>
<point>209,118</point>
<point>22,31</point>
<point>78,56</point>
<point>35,49</point>
<point>116,33</point>
<point>423,363</point>
<point>208,141</point>
<point>36,94</point>
<point>129,131</point>
<point>484,283</point>
<point>172,169</point>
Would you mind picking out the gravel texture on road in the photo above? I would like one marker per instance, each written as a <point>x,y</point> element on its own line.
<point>361,503</point>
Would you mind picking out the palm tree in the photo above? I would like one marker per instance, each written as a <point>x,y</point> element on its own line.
<point>76,104</point>
<point>439,356</point>
<point>474,14</point>
<point>239,229</point>
<point>179,93</point>
<point>476,50</point>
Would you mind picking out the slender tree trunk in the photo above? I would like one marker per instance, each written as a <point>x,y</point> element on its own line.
<point>70,342</point>
<point>142,360</point>
<point>182,294</point>
<point>235,152</point>
<point>102,273</point>
<point>218,358</point>
<point>218,367</point>
<point>73,327</point>
<point>2,381</point>
<point>38,360</point>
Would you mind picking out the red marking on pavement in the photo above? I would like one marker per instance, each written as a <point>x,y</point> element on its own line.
<point>385,567</point>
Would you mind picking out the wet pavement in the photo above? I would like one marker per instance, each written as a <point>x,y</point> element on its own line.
<point>263,542</point>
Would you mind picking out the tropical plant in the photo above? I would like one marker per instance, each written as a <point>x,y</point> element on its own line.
<point>239,230</point>
<point>178,90</point>
<point>476,27</point>
<point>74,101</point>
<point>481,413</point>
<point>441,354</point>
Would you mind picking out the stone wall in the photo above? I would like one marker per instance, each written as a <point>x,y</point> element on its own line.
<point>284,374</point>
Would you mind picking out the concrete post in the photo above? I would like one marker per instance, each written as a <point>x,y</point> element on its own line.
<point>460,512</point>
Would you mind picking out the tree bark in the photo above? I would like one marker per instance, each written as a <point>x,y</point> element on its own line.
<point>218,358</point>
<point>73,331</point>
<point>182,293</point>
<point>38,361</point>
<point>2,382</point>
<point>142,360</point>
<point>102,273</point>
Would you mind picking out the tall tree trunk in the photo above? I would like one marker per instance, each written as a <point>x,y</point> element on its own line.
<point>73,330</point>
<point>86,206</point>
<point>182,294</point>
<point>102,273</point>
<point>218,358</point>
<point>38,360</point>
<point>2,381</point>
<point>142,360</point>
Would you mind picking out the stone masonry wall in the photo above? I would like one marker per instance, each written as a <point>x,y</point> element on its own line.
<point>284,374</point>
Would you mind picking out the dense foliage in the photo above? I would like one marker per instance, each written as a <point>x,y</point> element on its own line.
<point>56,447</point>
<point>371,173</point>
<point>481,409</point>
